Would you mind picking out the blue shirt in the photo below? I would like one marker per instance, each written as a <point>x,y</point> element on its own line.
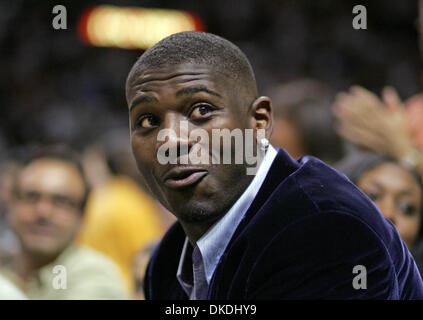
<point>210,247</point>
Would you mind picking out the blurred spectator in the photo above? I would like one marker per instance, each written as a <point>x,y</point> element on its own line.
<point>414,114</point>
<point>46,211</point>
<point>139,268</point>
<point>8,291</point>
<point>303,121</point>
<point>396,190</point>
<point>9,245</point>
<point>121,218</point>
<point>380,124</point>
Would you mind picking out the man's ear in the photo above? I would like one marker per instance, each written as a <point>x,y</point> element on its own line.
<point>261,115</point>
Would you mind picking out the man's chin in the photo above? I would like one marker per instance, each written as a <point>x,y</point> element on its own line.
<point>43,248</point>
<point>197,214</point>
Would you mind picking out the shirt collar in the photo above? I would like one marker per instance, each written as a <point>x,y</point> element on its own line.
<point>214,242</point>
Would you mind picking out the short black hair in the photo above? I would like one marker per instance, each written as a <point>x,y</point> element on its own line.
<point>60,152</point>
<point>197,48</point>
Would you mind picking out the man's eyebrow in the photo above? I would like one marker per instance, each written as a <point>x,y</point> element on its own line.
<point>141,99</point>
<point>195,89</point>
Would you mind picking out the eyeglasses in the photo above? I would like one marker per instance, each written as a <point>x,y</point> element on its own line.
<point>57,200</point>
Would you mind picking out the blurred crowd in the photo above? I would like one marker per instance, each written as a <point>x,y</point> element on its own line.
<point>70,193</point>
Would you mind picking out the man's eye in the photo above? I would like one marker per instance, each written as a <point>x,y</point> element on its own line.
<point>147,122</point>
<point>30,196</point>
<point>63,201</point>
<point>200,111</point>
<point>407,209</point>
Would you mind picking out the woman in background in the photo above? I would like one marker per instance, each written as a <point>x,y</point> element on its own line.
<point>395,189</point>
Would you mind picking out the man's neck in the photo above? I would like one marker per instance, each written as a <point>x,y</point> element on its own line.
<point>195,231</point>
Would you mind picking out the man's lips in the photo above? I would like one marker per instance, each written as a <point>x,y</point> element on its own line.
<point>41,230</point>
<point>183,177</point>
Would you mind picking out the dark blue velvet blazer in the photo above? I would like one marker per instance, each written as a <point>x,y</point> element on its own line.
<point>300,239</point>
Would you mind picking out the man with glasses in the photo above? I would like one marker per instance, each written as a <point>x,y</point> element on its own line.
<point>46,213</point>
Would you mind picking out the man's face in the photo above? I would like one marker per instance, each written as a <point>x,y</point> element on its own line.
<point>160,99</point>
<point>46,210</point>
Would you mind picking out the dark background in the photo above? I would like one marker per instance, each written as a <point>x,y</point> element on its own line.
<point>55,88</point>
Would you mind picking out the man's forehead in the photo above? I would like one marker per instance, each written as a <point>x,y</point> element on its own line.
<point>175,76</point>
<point>165,72</point>
<point>51,175</point>
<point>143,73</point>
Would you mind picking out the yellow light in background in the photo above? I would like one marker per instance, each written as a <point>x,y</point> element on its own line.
<point>133,28</point>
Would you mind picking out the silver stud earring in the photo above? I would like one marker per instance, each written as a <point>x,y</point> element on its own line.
<point>264,144</point>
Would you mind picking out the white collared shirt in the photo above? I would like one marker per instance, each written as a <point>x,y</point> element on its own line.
<point>214,242</point>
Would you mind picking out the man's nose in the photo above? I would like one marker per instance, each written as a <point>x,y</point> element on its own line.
<point>44,208</point>
<point>176,136</point>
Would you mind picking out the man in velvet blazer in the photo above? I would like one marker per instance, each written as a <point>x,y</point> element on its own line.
<point>297,229</point>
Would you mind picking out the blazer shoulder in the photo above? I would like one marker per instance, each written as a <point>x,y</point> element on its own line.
<point>331,191</point>
<point>316,256</point>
